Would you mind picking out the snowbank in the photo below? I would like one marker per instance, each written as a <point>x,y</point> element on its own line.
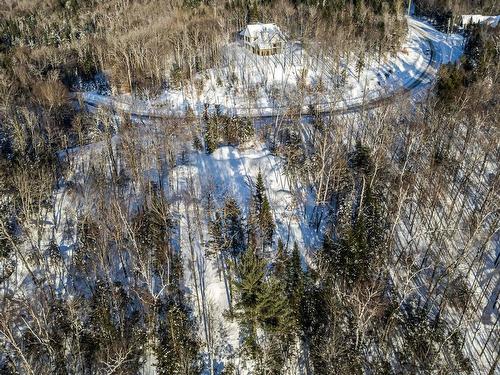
<point>468,19</point>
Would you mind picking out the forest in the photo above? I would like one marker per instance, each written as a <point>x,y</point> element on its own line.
<point>304,243</point>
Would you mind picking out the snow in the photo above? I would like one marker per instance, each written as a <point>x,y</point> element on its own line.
<point>262,34</point>
<point>255,28</point>
<point>468,19</point>
<point>274,80</point>
<point>231,172</point>
<point>227,172</point>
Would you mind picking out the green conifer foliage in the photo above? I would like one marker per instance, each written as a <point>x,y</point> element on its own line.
<point>249,288</point>
<point>262,208</point>
<point>253,13</point>
<point>233,225</point>
<point>295,282</point>
<point>262,303</point>
<point>211,135</point>
<point>177,348</point>
<point>281,261</point>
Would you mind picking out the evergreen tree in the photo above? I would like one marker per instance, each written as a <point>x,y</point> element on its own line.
<point>263,213</point>
<point>295,282</point>
<point>360,64</point>
<point>253,13</point>
<point>177,348</point>
<point>176,76</point>
<point>227,241</point>
<point>233,227</point>
<point>246,129</point>
<point>211,135</point>
<point>197,145</point>
<point>231,136</point>
<point>226,231</point>
<point>237,130</point>
<point>216,242</point>
<point>261,304</point>
<point>250,286</point>
<point>5,244</point>
<point>281,261</point>
<point>205,116</point>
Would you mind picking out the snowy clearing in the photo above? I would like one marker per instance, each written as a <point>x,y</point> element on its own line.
<point>273,80</point>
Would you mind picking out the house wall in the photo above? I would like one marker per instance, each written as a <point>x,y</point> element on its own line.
<point>267,51</point>
<point>276,46</point>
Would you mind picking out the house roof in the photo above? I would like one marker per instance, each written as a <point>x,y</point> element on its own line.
<point>257,28</point>
<point>264,32</point>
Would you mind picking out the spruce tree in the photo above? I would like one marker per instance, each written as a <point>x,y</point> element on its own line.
<point>263,212</point>
<point>227,241</point>
<point>253,13</point>
<point>280,262</point>
<point>211,135</point>
<point>176,76</point>
<point>249,287</point>
<point>226,231</point>
<point>177,348</point>
<point>295,282</point>
<point>233,227</point>
<point>216,241</point>
<point>245,129</point>
<point>197,144</point>
<point>262,303</point>
<point>260,192</point>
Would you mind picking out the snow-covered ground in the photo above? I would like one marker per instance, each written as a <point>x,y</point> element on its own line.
<point>232,172</point>
<point>227,172</point>
<point>272,80</point>
<point>468,19</point>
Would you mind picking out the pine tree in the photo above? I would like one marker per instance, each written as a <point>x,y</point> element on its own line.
<point>249,287</point>
<point>281,262</point>
<point>216,242</point>
<point>226,231</point>
<point>231,135</point>
<point>177,348</point>
<point>253,13</point>
<point>176,76</point>
<point>263,212</point>
<point>227,241</point>
<point>360,64</point>
<point>262,303</point>
<point>197,145</point>
<point>233,227</point>
<point>245,129</point>
<point>211,135</point>
<point>295,282</point>
<point>205,116</point>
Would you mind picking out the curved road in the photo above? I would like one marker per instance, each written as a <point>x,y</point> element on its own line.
<point>435,60</point>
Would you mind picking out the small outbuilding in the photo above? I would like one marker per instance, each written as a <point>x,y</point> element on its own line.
<point>263,39</point>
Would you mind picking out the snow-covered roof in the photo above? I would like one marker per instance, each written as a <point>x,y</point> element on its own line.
<point>263,32</point>
<point>477,18</point>
<point>254,29</point>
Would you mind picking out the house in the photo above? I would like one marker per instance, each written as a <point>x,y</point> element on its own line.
<point>263,39</point>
